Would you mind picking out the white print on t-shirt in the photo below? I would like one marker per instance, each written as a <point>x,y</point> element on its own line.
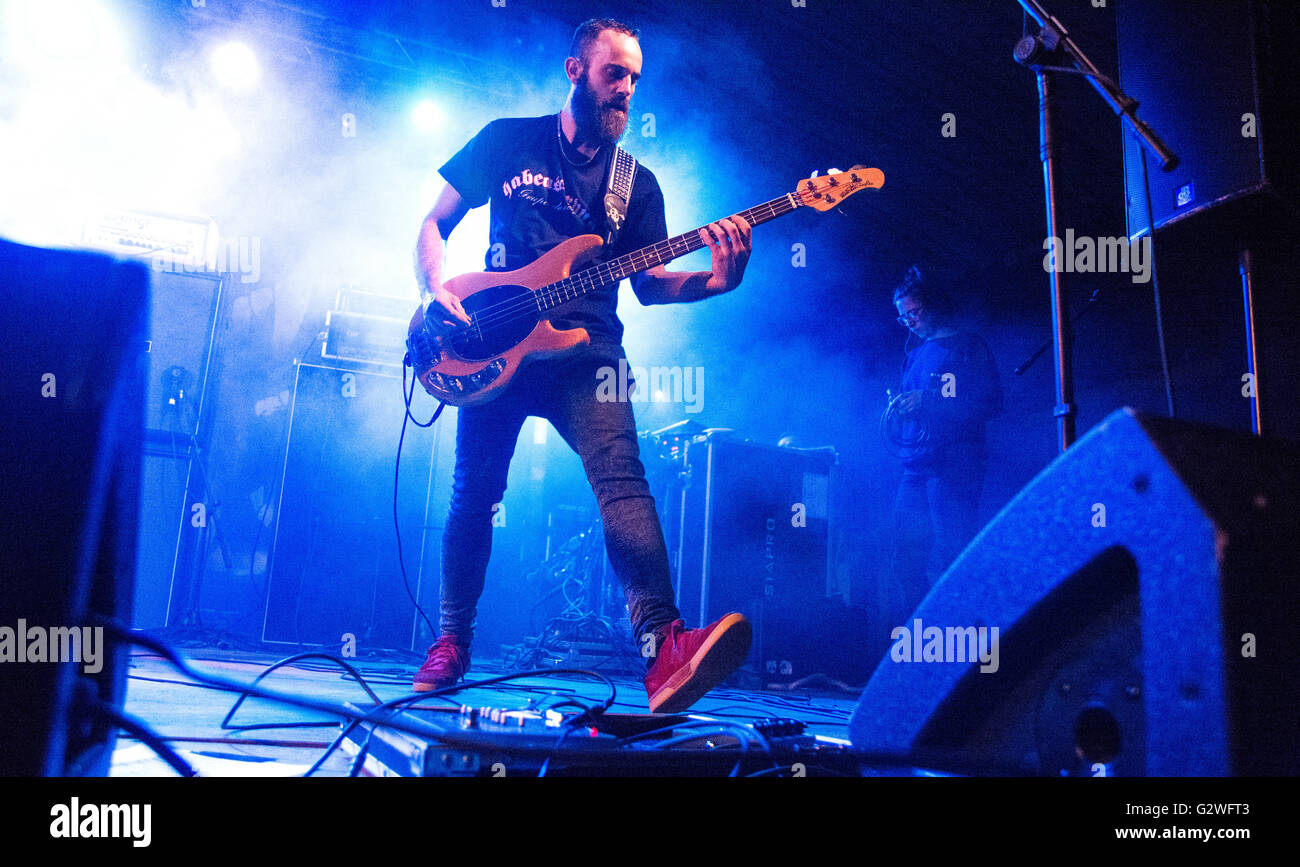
<point>532,181</point>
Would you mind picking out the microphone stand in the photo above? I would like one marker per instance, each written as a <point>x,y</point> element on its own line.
<point>1046,345</point>
<point>1040,52</point>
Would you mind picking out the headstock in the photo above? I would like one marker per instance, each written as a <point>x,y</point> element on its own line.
<point>824,192</point>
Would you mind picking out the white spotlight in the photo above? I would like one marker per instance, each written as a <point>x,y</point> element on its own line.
<point>427,116</point>
<point>81,34</point>
<point>235,66</point>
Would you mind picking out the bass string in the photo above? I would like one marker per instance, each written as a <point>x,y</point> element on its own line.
<point>514,308</point>
<point>590,279</point>
<point>604,274</point>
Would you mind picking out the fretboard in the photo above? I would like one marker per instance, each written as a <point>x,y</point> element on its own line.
<point>593,278</point>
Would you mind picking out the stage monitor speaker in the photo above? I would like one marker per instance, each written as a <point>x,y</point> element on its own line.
<point>180,352</point>
<point>1144,591</point>
<point>334,567</point>
<point>1217,80</point>
<point>71,328</point>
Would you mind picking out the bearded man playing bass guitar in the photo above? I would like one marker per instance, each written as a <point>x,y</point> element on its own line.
<point>546,181</point>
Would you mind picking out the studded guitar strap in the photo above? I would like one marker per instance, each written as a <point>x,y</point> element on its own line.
<point>618,192</point>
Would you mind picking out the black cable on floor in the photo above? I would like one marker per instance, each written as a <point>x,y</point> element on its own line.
<point>415,698</point>
<point>141,732</point>
<point>225,723</point>
<point>121,633</point>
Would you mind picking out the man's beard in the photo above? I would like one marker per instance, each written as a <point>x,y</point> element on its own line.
<point>603,123</point>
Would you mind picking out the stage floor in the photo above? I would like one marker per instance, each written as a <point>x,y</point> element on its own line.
<point>189,715</point>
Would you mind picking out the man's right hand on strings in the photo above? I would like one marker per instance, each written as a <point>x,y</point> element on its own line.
<point>443,313</point>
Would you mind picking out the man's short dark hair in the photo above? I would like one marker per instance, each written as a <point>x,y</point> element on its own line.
<point>588,31</point>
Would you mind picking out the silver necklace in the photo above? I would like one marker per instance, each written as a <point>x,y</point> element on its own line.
<point>559,135</point>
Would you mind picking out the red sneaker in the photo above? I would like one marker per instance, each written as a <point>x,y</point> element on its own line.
<point>445,664</point>
<point>690,662</point>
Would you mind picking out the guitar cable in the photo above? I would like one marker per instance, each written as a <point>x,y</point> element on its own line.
<point>901,442</point>
<point>408,395</point>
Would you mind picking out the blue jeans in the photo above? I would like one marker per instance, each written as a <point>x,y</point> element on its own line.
<point>603,434</point>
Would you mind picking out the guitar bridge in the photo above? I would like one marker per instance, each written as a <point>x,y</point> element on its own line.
<point>423,348</point>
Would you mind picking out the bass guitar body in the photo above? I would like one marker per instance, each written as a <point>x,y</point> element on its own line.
<point>474,363</point>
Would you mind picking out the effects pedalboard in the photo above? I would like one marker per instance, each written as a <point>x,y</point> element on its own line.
<point>501,742</point>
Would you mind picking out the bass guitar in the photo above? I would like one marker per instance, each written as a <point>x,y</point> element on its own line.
<point>507,310</point>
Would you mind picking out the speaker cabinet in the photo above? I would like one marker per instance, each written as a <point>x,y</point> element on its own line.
<point>181,360</point>
<point>168,549</point>
<point>749,530</point>
<point>334,568</point>
<point>71,327</point>
<point>179,351</point>
<point>1217,80</point>
<point>1144,590</point>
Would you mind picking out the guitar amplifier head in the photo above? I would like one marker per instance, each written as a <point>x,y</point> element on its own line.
<point>364,339</point>
<point>352,300</point>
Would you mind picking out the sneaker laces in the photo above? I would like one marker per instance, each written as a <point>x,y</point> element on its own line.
<point>446,648</point>
<point>668,633</point>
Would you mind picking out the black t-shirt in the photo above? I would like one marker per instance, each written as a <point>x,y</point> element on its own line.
<point>539,199</point>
